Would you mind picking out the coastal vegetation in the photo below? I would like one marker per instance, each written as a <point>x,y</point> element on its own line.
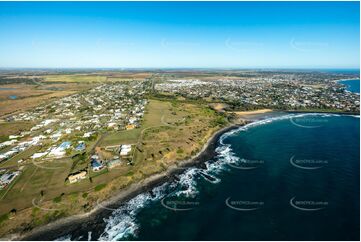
<point>162,122</point>
<point>171,131</point>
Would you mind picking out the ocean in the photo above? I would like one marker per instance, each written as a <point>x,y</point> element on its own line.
<point>286,177</point>
<point>352,85</point>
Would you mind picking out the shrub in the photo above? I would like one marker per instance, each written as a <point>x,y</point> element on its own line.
<point>179,151</point>
<point>99,187</point>
<point>4,217</point>
<point>57,199</point>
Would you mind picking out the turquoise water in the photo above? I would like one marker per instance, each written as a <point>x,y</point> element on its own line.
<point>290,177</point>
<point>352,85</point>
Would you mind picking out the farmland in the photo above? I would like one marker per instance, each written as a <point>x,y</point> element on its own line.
<point>74,78</point>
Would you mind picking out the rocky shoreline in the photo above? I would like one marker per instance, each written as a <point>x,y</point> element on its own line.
<point>65,225</point>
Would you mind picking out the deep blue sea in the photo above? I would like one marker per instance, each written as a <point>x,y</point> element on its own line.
<point>352,85</point>
<point>290,177</point>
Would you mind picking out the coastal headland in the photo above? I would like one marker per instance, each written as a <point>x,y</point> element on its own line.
<point>90,141</point>
<point>64,225</point>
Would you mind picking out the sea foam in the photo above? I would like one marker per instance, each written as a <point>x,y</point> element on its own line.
<point>122,223</point>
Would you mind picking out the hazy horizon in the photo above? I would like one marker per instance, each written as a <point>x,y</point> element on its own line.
<point>221,35</point>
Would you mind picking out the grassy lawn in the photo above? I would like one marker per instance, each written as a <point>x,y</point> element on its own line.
<point>10,128</point>
<point>122,137</point>
<point>47,177</point>
<point>157,114</point>
<point>13,161</point>
<point>171,131</point>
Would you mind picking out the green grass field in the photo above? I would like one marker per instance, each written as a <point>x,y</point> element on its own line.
<point>10,128</point>
<point>170,131</point>
<point>122,137</point>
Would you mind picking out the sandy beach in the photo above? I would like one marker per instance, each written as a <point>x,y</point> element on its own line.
<point>64,225</point>
<point>252,112</point>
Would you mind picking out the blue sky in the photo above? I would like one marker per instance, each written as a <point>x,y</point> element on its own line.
<point>180,34</point>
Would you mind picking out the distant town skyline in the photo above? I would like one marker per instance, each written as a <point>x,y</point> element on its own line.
<point>179,35</point>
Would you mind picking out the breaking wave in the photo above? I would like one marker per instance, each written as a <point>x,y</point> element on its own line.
<point>64,238</point>
<point>188,183</point>
<point>122,223</point>
<point>278,118</point>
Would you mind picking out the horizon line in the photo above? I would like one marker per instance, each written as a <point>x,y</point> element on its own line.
<point>215,68</point>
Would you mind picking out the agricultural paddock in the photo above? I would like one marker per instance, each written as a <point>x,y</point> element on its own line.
<point>75,78</point>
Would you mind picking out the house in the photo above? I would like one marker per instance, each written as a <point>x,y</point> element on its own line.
<point>35,140</point>
<point>7,178</point>
<point>87,134</point>
<point>125,149</point>
<point>38,155</point>
<point>130,126</point>
<point>113,163</point>
<point>112,125</point>
<point>14,136</point>
<point>56,136</point>
<point>96,165</point>
<point>7,143</point>
<point>81,146</point>
<point>77,176</point>
<point>132,120</point>
<point>60,151</point>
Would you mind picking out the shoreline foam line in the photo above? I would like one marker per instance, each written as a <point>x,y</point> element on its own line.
<point>158,180</point>
<point>117,229</point>
<point>67,223</point>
